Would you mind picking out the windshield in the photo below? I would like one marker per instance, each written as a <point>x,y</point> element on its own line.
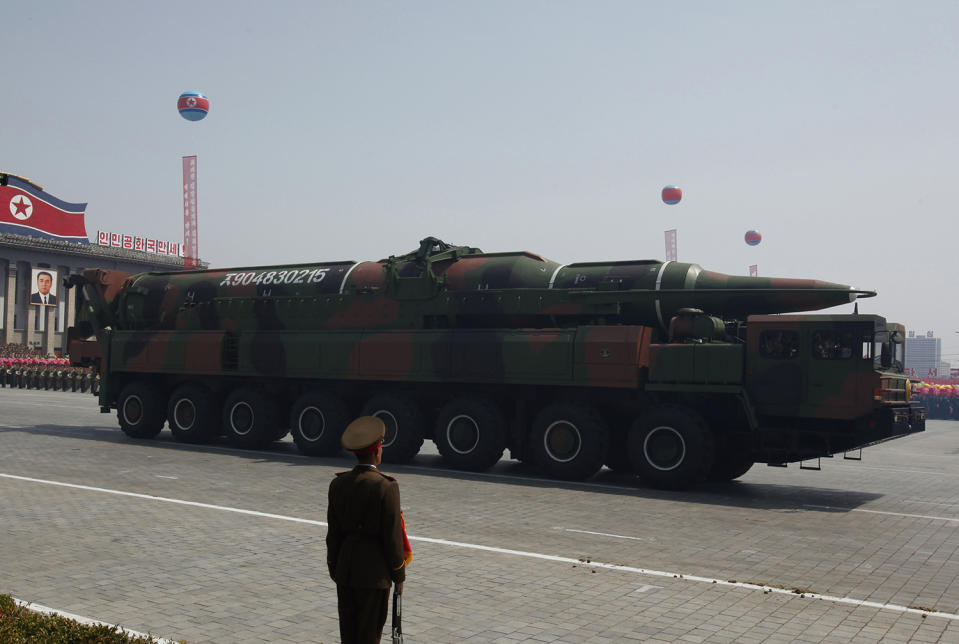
<point>880,354</point>
<point>889,351</point>
<point>898,356</point>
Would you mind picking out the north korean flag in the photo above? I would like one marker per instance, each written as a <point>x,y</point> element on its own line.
<point>25,209</point>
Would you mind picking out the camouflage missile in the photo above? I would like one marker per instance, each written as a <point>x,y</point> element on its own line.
<point>444,286</point>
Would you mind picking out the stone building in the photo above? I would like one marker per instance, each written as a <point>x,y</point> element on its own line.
<point>40,327</point>
<point>43,241</point>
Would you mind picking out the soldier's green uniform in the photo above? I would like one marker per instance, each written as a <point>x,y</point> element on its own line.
<point>366,543</point>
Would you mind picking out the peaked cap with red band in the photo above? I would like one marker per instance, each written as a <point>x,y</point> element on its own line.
<point>363,435</point>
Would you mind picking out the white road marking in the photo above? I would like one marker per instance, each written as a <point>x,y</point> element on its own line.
<point>160,476</point>
<point>46,610</point>
<point>605,534</point>
<point>45,405</point>
<point>518,553</point>
<point>895,514</point>
<point>645,588</point>
<point>892,469</point>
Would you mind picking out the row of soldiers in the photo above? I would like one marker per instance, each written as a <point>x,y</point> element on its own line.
<point>939,407</point>
<point>58,378</point>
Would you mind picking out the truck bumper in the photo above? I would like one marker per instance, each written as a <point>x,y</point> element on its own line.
<point>892,422</point>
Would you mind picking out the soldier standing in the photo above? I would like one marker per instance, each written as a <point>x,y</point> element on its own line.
<point>367,548</point>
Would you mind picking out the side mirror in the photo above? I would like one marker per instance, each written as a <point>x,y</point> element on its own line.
<point>886,356</point>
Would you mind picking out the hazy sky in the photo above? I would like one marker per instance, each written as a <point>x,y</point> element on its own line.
<point>351,130</point>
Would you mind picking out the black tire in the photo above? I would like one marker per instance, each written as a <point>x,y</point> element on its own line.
<point>732,460</point>
<point>617,454</point>
<point>730,470</point>
<point>250,418</point>
<point>194,414</point>
<point>317,421</point>
<point>140,410</point>
<point>671,448</point>
<point>569,441</point>
<point>404,425</point>
<point>470,434</point>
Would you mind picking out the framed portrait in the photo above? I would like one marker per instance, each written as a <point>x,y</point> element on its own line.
<point>43,286</point>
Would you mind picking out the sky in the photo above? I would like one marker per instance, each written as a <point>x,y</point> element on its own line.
<point>351,130</point>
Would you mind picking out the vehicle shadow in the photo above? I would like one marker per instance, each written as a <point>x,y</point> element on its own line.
<point>739,493</point>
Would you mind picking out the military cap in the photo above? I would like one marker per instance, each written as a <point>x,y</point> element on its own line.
<point>363,432</point>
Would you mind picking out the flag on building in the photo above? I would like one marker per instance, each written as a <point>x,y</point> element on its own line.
<point>26,209</point>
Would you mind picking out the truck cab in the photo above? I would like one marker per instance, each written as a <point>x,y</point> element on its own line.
<point>841,373</point>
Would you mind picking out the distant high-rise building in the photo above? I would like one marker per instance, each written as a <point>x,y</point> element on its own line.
<point>924,357</point>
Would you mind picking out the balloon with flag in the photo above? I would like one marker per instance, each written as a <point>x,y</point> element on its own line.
<point>193,106</point>
<point>672,195</point>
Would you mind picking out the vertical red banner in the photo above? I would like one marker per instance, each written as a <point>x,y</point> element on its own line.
<point>671,245</point>
<point>189,213</point>
<point>754,270</point>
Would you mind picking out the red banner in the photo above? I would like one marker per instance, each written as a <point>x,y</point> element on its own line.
<point>189,213</point>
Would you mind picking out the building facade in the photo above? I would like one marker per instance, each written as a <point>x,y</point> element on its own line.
<point>924,357</point>
<point>26,259</point>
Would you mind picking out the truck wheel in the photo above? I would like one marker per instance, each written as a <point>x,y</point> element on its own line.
<point>318,420</point>
<point>729,469</point>
<point>140,410</point>
<point>671,448</point>
<point>731,461</point>
<point>470,434</point>
<point>404,425</point>
<point>249,418</point>
<point>617,455</point>
<point>569,441</point>
<point>194,414</point>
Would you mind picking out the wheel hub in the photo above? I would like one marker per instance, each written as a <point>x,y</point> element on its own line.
<point>132,410</point>
<point>312,424</point>
<point>462,434</point>
<point>664,448</point>
<point>562,441</point>
<point>241,418</point>
<point>184,414</point>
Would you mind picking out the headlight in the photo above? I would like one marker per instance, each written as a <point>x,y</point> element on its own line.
<point>908,390</point>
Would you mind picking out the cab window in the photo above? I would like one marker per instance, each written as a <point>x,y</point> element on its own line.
<point>779,345</point>
<point>830,344</point>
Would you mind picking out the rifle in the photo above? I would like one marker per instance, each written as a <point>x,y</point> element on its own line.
<point>397,616</point>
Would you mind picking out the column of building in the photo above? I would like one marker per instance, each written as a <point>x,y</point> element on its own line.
<point>32,328</point>
<point>17,308</point>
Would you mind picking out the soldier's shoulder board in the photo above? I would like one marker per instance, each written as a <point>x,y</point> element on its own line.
<point>386,476</point>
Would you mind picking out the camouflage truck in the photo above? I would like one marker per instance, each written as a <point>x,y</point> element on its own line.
<point>664,369</point>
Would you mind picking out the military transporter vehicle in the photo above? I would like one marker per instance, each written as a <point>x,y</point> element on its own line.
<point>664,369</point>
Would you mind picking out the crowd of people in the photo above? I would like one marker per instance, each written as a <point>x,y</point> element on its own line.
<point>941,401</point>
<point>22,368</point>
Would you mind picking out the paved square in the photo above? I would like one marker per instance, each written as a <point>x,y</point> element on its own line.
<point>212,544</point>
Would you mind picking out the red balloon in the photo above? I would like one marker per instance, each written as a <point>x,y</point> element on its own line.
<point>672,195</point>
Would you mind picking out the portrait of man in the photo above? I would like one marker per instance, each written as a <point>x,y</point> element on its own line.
<point>45,280</point>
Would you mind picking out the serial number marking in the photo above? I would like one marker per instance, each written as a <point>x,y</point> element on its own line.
<point>294,276</point>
